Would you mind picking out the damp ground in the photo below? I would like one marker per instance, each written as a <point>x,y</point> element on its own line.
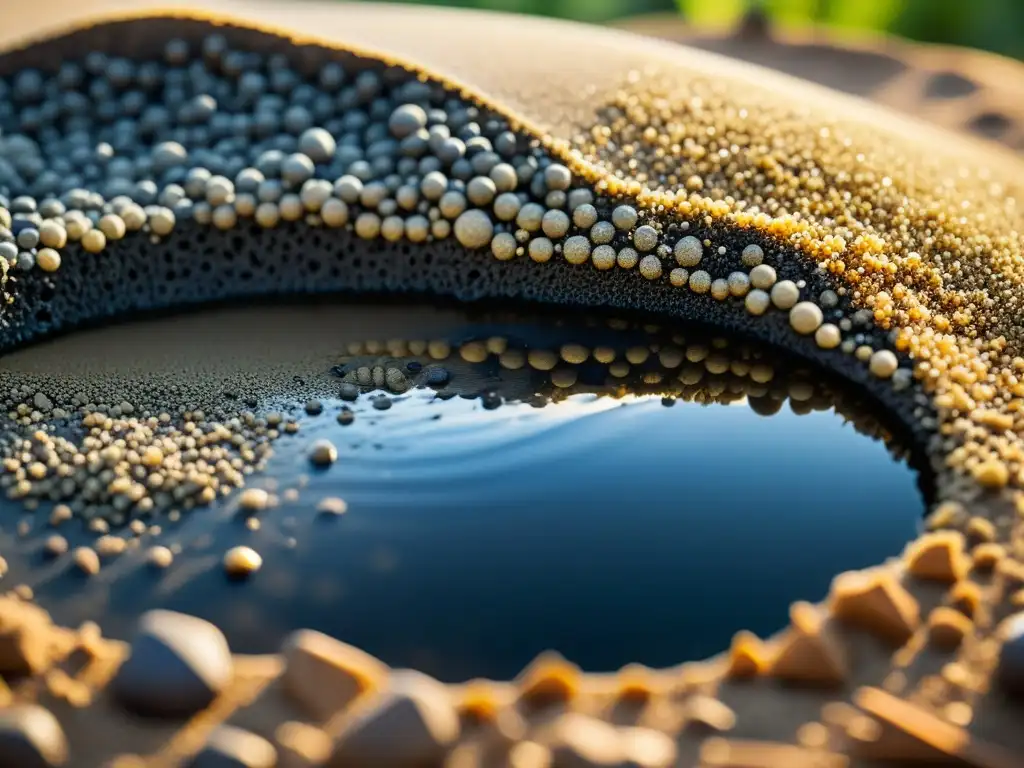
<point>637,527</point>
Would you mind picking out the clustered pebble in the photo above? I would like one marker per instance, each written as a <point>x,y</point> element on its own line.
<point>106,147</point>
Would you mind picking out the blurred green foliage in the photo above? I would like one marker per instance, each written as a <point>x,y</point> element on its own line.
<point>994,25</point>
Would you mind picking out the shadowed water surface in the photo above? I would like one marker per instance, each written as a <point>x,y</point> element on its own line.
<point>610,529</point>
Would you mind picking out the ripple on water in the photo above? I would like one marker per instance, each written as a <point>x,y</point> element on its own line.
<point>612,530</point>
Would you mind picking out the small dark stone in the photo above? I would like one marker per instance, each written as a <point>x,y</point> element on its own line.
<point>382,403</point>
<point>490,400</point>
<point>414,366</point>
<point>349,392</point>
<point>346,417</point>
<point>31,737</point>
<point>178,665</point>
<point>437,376</point>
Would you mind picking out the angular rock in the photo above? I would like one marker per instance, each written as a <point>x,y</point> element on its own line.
<point>178,665</point>
<point>230,747</point>
<point>648,748</point>
<point>31,737</point>
<point>412,722</point>
<point>300,745</point>
<point>325,675</point>
<point>581,741</point>
<point>25,647</point>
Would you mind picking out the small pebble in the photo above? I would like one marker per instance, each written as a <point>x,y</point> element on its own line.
<point>240,562</point>
<point>323,453</point>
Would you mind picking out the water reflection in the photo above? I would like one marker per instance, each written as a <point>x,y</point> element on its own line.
<point>584,514</point>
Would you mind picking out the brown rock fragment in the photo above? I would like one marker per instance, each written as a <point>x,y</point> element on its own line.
<point>876,602</point>
<point>706,712</point>
<point>965,596</point>
<point>986,557</point>
<point>301,746</point>
<point>811,654</point>
<point>748,656</point>
<point>737,753</point>
<point>647,748</point>
<point>947,628</point>
<point>549,679</point>
<point>980,529</point>
<point>912,733</point>
<point>325,675</point>
<point>938,557</point>
<point>26,646</point>
<point>580,741</point>
<point>411,722</point>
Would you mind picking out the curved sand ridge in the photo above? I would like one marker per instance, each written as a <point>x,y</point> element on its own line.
<point>661,180</point>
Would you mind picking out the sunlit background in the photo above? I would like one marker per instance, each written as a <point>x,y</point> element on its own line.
<point>994,25</point>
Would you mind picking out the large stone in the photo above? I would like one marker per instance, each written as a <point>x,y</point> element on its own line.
<point>581,741</point>
<point>230,747</point>
<point>26,646</point>
<point>647,748</point>
<point>412,722</point>
<point>31,737</point>
<point>325,675</point>
<point>178,665</point>
<point>1010,670</point>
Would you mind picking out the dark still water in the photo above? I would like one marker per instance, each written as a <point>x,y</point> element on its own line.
<point>612,530</point>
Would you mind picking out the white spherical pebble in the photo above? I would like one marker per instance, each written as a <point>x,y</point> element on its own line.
<point>503,246</point>
<point>739,283</point>
<point>267,215</point>
<point>805,317</point>
<point>700,281</point>
<point>679,277</point>
<point>757,302</point>
<point>541,249</point>
<point>417,228</point>
<point>576,249</point>
<point>161,220</point>
<point>367,225</point>
<point>650,267</point>
<point>645,238</point>
<point>292,209</point>
<point>785,294</point>
<point>883,364</point>
<point>452,204</point>
<point>473,229</point>
<point>224,217</point>
<point>392,228</point>
<point>688,251</point>
<point>240,562</point>
<point>555,224</point>
<point>557,176</point>
<point>752,256</point>
<point>334,212</point>
<point>762,277</point>
<point>624,217</point>
<point>603,257</point>
<point>48,259</point>
<point>506,206</point>
<point>828,336</point>
<point>720,289</point>
<point>627,258</point>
